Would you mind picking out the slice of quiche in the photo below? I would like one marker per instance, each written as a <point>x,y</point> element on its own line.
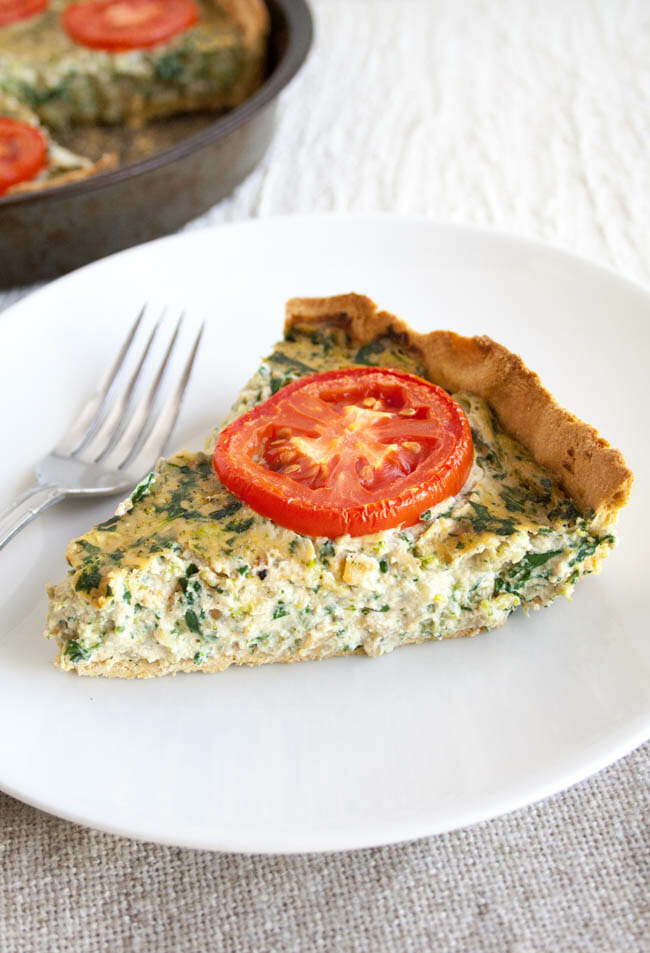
<point>186,576</point>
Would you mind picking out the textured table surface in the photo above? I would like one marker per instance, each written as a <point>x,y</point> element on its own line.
<point>534,119</point>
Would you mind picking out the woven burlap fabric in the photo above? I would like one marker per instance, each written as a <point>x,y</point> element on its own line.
<point>569,874</point>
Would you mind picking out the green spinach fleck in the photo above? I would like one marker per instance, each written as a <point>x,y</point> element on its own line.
<point>324,341</point>
<point>280,610</point>
<point>279,357</point>
<point>169,67</point>
<point>89,579</point>
<point>514,499</point>
<point>565,510</point>
<point>240,526</point>
<point>484,520</point>
<point>76,652</point>
<point>143,488</point>
<point>588,547</point>
<point>409,542</point>
<point>192,622</point>
<point>90,549</point>
<point>516,577</point>
<point>326,550</point>
<point>368,351</point>
<point>110,525</point>
<point>228,510</point>
<point>257,639</point>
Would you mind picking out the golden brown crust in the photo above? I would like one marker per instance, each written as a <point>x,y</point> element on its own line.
<point>592,472</point>
<point>104,164</point>
<point>252,17</point>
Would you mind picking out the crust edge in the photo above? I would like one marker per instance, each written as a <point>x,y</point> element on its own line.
<point>252,17</point>
<point>104,164</point>
<point>592,472</point>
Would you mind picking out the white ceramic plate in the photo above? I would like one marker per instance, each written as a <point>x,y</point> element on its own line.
<point>350,752</point>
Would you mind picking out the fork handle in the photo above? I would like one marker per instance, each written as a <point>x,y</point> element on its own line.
<point>25,507</point>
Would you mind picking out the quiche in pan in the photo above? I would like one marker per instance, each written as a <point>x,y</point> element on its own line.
<point>372,487</point>
<point>126,61</point>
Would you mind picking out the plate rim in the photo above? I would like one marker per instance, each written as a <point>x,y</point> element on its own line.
<point>273,847</point>
<point>552,248</point>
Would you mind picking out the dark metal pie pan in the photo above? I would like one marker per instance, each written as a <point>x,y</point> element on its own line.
<point>170,171</point>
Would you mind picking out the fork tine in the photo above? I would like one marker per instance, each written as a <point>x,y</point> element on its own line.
<point>154,444</point>
<point>111,427</point>
<point>83,427</point>
<point>133,432</point>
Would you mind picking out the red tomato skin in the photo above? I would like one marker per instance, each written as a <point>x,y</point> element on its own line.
<point>23,152</point>
<point>88,23</point>
<point>13,10</point>
<point>290,507</point>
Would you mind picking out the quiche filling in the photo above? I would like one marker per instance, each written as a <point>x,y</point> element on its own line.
<point>187,577</point>
<point>208,66</point>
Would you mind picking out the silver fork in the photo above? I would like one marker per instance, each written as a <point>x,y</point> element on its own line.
<point>114,441</point>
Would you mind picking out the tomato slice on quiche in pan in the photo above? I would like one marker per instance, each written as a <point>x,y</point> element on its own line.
<point>115,25</point>
<point>23,152</point>
<point>13,10</point>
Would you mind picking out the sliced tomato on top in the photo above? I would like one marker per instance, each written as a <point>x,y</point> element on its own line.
<point>115,25</point>
<point>12,10</point>
<point>23,152</point>
<point>347,451</point>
